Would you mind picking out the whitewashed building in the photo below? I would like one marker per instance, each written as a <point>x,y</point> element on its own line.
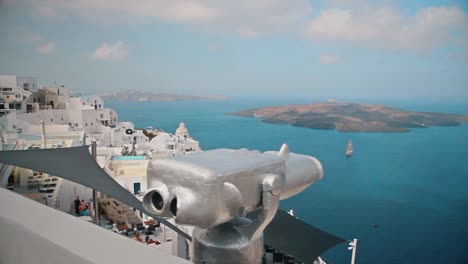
<point>14,90</point>
<point>13,81</point>
<point>94,101</point>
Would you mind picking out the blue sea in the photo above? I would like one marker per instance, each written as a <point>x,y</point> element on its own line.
<point>404,196</point>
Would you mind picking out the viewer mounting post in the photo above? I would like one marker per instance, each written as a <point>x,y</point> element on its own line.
<point>95,202</point>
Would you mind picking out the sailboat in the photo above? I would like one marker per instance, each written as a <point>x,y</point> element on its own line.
<point>349,149</point>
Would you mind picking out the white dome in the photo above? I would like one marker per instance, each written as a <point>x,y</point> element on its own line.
<point>160,141</point>
<point>182,131</point>
<point>161,138</point>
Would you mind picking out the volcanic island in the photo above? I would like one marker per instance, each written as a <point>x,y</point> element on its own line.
<point>352,117</point>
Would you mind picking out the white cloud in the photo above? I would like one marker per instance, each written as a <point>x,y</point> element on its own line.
<point>329,58</point>
<point>47,48</point>
<point>115,51</point>
<point>390,28</point>
<point>356,22</point>
<point>244,17</point>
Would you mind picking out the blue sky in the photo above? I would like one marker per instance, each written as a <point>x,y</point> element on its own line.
<point>291,48</point>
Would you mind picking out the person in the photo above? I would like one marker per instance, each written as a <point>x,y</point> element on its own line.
<point>114,228</point>
<point>85,212</point>
<point>82,206</point>
<point>138,238</point>
<point>77,205</point>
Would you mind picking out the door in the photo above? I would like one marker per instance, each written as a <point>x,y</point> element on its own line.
<point>136,187</point>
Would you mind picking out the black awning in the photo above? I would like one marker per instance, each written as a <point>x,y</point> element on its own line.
<point>294,237</point>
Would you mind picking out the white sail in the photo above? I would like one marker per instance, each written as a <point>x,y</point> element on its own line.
<point>349,148</point>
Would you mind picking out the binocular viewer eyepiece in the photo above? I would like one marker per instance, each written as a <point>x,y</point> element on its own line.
<point>159,200</point>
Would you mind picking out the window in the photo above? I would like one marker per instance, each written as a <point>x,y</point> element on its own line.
<point>51,120</point>
<point>7,89</point>
<point>86,124</point>
<point>91,123</point>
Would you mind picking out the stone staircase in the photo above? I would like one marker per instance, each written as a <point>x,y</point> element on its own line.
<point>120,212</point>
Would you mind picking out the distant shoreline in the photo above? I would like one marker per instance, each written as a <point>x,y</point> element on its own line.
<point>137,96</point>
<point>351,117</point>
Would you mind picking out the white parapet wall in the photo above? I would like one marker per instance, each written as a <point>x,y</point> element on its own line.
<point>34,233</point>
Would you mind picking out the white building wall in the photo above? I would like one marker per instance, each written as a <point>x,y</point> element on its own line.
<point>55,117</point>
<point>88,120</point>
<point>128,182</point>
<point>10,94</point>
<point>125,125</point>
<point>50,117</point>
<point>74,103</point>
<point>75,118</point>
<point>119,136</point>
<point>104,137</point>
<point>16,84</point>
<point>53,129</point>
<point>8,122</point>
<point>91,123</point>
<point>34,233</point>
<point>31,83</point>
<point>107,116</point>
<point>58,101</point>
<point>8,81</point>
<point>94,101</point>
<point>67,194</point>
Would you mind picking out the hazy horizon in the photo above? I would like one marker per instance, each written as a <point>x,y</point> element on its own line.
<point>287,49</point>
